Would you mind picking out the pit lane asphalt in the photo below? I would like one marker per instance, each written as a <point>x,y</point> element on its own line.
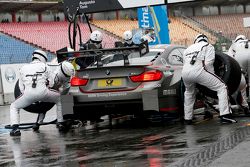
<point>127,144</point>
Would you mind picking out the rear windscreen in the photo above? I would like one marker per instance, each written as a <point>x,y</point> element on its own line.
<point>116,59</point>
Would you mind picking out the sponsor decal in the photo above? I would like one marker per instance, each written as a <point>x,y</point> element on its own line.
<point>144,20</point>
<point>86,4</point>
<point>169,92</point>
<point>109,82</point>
<point>10,75</point>
<point>107,94</point>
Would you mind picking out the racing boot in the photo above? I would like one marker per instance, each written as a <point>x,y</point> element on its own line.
<point>188,122</point>
<point>228,118</point>
<point>15,130</point>
<point>62,126</point>
<point>35,127</point>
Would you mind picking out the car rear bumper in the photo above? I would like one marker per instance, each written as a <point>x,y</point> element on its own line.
<point>148,100</point>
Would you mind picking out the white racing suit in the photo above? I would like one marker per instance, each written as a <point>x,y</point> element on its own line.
<point>61,84</point>
<point>198,68</point>
<point>242,55</point>
<point>33,86</point>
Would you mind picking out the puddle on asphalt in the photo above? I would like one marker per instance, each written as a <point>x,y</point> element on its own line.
<point>126,145</point>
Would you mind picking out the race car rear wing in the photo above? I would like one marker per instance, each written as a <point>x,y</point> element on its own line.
<point>63,54</point>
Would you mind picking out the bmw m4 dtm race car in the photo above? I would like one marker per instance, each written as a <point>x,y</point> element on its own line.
<point>136,80</point>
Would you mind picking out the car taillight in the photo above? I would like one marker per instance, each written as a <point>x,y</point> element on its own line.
<point>75,81</point>
<point>153,75</point>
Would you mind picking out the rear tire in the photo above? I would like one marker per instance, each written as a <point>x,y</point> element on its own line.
<point>38,107</point>
<point>228,69</point>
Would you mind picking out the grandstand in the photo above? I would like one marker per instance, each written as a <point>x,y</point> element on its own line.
<point>230,25</point>
<point>15,51</point>
<point>178,29</point>
<point>50,36</point>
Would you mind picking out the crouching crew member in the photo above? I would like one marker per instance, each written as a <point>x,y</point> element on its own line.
<point>33,83</point>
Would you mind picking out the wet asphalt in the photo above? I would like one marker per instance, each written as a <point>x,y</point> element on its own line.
<point>128,143</point>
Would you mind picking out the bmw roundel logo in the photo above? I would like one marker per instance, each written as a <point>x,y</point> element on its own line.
<point>108,72</point>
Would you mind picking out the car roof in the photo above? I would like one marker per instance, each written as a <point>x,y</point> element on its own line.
<point>163,47</point>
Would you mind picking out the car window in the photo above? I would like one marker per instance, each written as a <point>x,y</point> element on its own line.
<point>115,59</point>
<point>175,57</point>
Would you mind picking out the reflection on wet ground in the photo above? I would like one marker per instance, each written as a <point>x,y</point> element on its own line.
<point>126,145</point>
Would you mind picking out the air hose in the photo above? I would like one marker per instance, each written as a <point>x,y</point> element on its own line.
<point>76,25</point>
<point>30,125</point>
<point>72,41</point>
<point>70,121</point>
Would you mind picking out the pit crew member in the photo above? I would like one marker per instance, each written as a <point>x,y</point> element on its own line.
<point>59,81</point>
<point>198,69</point>
<point>240,52</point>
<point>33,84</point>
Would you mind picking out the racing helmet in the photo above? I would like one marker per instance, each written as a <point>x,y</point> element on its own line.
<point>67,69</point>
<point>240,38</point>
<point>127,35</point>
<point>200,37</point>
<point>40,55</point>
<point>96,37</point>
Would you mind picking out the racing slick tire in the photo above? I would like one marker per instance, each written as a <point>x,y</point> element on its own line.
<point>228,69</point>
<point>38,107</point>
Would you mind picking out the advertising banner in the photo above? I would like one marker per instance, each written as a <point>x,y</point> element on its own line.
<point>9,77</point>
<point>155,18</point>
<point>94,6</point>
